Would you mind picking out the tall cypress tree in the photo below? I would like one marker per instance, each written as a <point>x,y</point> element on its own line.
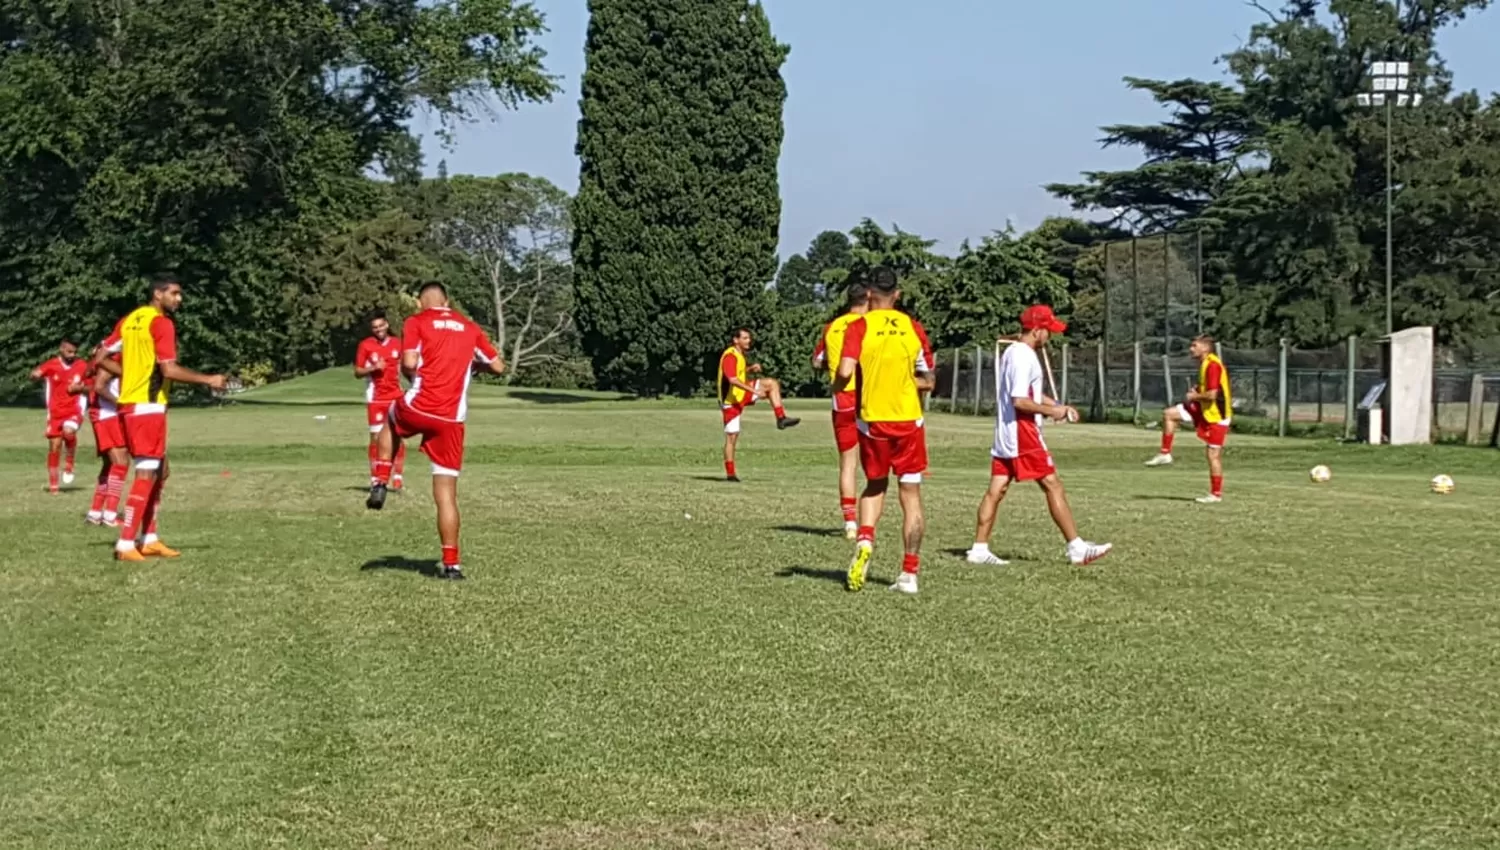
<point>678,204</point>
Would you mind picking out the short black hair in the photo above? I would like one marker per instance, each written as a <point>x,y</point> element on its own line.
<point>377,314</point>
<point>883,280</point>
<point>162,280</point>
<point>857,293</point>
<point>67,340</point>
<point>432,284</point>
<point>738,331</point>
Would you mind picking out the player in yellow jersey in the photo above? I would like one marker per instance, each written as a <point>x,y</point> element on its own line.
<point>845,414</point>
<point>737,392</point>
<point>1207,407</point>
<point>887,354</point>
<point>146,343</point>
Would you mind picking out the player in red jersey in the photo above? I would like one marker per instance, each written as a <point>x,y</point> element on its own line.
<point>845,402</point>
<point>440,350</point>
<point>109,443</point>
<point>377,362</point>
<point>60,377</point>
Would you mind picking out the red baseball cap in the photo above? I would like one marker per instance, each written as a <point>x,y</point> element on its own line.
<point>1039,316</point>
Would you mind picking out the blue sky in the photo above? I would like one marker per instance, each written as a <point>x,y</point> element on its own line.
<point>945,121</point>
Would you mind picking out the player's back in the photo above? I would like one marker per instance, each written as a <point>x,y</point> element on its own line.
<point>447,345</point>
<point>892,349</point>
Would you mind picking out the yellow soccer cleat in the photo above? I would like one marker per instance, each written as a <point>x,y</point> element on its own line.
<point>854,580</point>
<point>158,549</point>
<point>131,555</point>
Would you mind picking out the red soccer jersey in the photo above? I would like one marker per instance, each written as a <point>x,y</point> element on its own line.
<point>448,345</point>
<point>57,376</point>
<point>384,385</point>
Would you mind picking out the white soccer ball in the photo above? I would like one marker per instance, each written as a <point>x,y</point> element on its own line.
<point>1442,484</point>
<point>1320,474</point>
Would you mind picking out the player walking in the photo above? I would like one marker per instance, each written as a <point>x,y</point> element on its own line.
<point>65,409</point>
<point>1207,408</point>
<point>845,414</point>
<point>146,342</point>
<point>109,443</point>
<point>378,362</point>
<point>438,352</point>
<point>1019,453</point>
<point>737,392</point>
<point>887,355</point>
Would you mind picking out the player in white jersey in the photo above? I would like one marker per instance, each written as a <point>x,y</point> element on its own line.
<point>1020,453</point>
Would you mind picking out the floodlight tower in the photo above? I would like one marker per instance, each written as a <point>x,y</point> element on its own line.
<point>1390,84</point>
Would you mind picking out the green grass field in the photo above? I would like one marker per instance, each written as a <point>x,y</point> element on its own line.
<point>1299,667</point>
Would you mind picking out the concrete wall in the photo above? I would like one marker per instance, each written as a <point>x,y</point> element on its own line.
<point>1410,392</point>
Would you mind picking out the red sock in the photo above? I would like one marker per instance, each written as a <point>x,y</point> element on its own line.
<point>911,563</point>
<point>381,471</point>
<point>780,411</point>
<point>847,506</point>
<point>153,506</point>
<point>1166,442</point>
<point>450,556</point>
<point>117,474</point>
<point>135,508</point>
<point>729,468</point>
<point>1216,484</point>
<point>101,490</point>
<point>52,458</point>
<point>374,456</point>
<point>400,458</point>
<point>867,533</point>
<point>70,444</point>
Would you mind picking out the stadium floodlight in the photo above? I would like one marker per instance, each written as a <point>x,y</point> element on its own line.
<point>1390,89</point>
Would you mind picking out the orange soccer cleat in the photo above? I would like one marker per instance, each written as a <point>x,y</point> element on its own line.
<point>129,555</point>
<point>158,549</point>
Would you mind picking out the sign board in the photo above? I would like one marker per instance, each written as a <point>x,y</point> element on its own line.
<point>1372,398</point>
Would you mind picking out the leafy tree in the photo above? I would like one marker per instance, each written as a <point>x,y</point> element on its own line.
<point>987,287</point>
<point>678,204</point>
<point>814,276</point>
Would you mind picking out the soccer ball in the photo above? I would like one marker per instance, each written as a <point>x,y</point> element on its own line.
<point>1442,484</point>
<point>1320,474</point>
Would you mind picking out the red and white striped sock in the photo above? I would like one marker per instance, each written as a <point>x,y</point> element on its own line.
<point>101,490</point>
<point>382,472</point>
<point>135,508</point>
<point>848,508</point>
<point>117,473</point>
<point>400,461</point>
<point>70,447</point>
<point>153,507</point>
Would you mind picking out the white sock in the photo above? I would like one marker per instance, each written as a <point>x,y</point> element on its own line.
<point>124,545</point>
<point>979,549</point>
<point>1076,544</point>
<point>150,538</point>
<point>110,516</point>
<point>95,515</point>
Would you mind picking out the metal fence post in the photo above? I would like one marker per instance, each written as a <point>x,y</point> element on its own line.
<point>1166,379</point>
<point>1135,367</point>
<point>1349,390</point>
<point>1101,378</point>
<point>1064,399</point>
<point>1320,396</point>
<point>1283,414</point>
<point>978,383</point>
<point>1476,410</point>
<point>958,362</point>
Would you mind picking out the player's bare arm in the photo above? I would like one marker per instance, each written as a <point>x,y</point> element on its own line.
<point>409,361</point>
<point>847,367</point>
<point>753,369</point>
<point>36,374</point>
<point>1047,408</point>
<point>496,366</point>
<point>101,386</point>
<point>926,382</point>
<point>181,374</point>
<point>362,372</point>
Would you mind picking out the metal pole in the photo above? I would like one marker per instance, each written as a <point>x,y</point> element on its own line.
<point>1103,382</point>
<point>1320,396</point>
<point>1349,411</point>
<point>1108,318</point>
<point>1136,376</point>
<point>1476,410</point>
<point>1166,379</point>
<point>1283,414</point>
<point>1135,291</point>
<point>958,362</point>
<point>1198,305</point>
<point>978,375</point>
<point>1166,293</point>
<point>1390,322</point>
<point>1065,357</point>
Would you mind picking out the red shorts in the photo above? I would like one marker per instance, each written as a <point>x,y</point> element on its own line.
<point>845,429</point>
<point>442,441</point>
<point>732,411</point>
<point>1213,434</point>
<point>145,434</point>
<point>901,447</point>
<point>62,425</point>
<point>375,412</point>
<point>108,435</point>
<point>1032,466</point>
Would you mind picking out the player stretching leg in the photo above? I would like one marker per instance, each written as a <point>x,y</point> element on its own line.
<point>888,352</point>
<point>60,378</point>
<point>1019,453</point>
<point>735,394</point>
<point>378,363</point>
<point>146,342</point>
<point>109,443</point>
<point>439,349</point>
<point>845,416</point>
<point>1207,408</point>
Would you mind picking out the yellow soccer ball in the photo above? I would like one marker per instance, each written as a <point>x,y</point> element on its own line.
<point>1442,484</point>
<point>1320,474</point>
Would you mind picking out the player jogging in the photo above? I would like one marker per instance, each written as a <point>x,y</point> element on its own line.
<point>109,443</point>
<point>737,392</point>
<point>377,361</point>
<point>887,354</point>
<point>1019,453</point>
<point>1207,408</point>
<point>60,377</point>
<point>146,342</point>
<point>845,414</point>
<point>439,350</point>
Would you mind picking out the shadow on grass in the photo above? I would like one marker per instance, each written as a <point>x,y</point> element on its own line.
<point>543,397</point>
<point>810,531</point>
<point>1151,497</point>
<point>717,479</point>
<point>835,576</point>
<point>427,567</point>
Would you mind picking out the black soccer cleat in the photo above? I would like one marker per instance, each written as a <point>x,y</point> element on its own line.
<point>733,479</point>
<point>376,500</point>
<point>453,573</point>
<point>786,422</point>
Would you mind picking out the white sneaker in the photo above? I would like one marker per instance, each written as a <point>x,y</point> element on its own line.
<point>851,530</point>
<point>1163,459</point>
<point>67,478</point>
<point>985,557</point>
<point>906,584</point>
<point>1087,553</point>
<point>1210,499</point>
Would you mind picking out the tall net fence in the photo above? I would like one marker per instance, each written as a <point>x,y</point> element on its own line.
<point>1153,292</point>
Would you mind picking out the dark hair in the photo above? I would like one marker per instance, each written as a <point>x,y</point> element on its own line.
<point>430,285</point>
<point>162,280</point>
<point>377,314</point>
<point>67,340</point>
<point>883,280</point>
<point>857,293</point>
<point>738,331</point>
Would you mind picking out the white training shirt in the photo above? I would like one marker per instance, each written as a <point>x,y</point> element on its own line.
<point>1018,374</point>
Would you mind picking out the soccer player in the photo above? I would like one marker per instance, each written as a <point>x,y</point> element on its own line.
<point>1019,453</point>
<point>887,354</point>
<point>737,392</point>
<point>146,342</point>
<point>439,351</point>
<point>109,443</point>
<point>377,362</point>
<point>65,409</point>
<point>1207,408</point>
<point>845,414</point>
